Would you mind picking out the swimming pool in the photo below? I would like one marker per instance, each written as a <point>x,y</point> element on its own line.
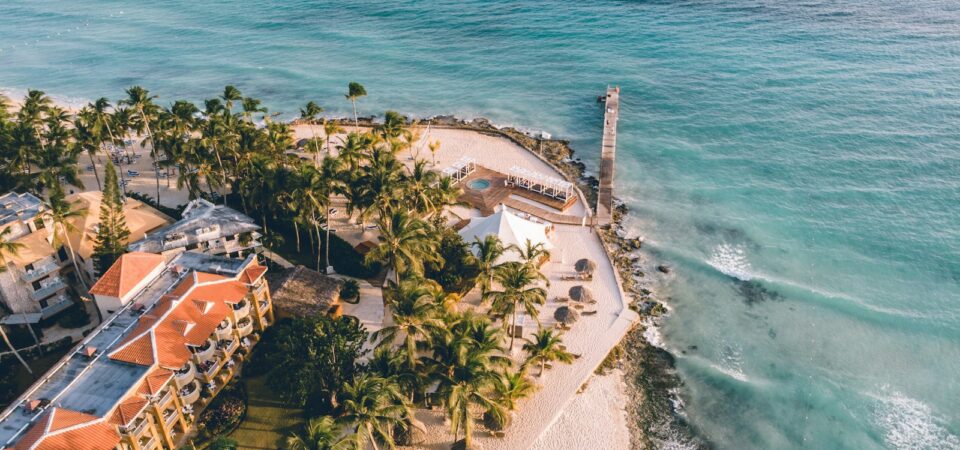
<point>479,184</point>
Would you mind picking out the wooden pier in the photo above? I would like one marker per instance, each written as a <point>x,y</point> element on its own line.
<point>608,151</point>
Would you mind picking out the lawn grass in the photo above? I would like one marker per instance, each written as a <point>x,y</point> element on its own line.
<point>269,420</point>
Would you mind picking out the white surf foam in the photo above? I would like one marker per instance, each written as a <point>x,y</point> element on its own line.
<point>731,260</point>
<point>908,423</point>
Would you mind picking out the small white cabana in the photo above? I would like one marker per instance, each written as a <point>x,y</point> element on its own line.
<point>512,230</point>
<point>460,169</point>
<point>540,183</point>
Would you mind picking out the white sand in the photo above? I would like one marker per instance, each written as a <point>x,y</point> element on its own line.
<point>600,406</point>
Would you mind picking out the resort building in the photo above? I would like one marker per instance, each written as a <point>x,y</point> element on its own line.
<point>141,219</point>
<point>31,287</point>
<point>204,228</point>
<point>172,342</point>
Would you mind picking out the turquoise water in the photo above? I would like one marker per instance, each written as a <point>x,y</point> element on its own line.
<point>797,163</point>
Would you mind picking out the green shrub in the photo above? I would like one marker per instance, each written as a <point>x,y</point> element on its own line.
<point>350,292</point>
<point>225,411</point>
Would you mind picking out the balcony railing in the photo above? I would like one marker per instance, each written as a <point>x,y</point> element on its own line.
<point>45,291</point>
<point>210,368</point>
<point>33,275</point>
<point>190,393</point>
<point>263,307</point>
<point>227,347</point>
<point>224,330</point>
<point>169,417</point>
<point>167,396</point>
<point>138,429</point>
<point>245,327</point>
<point>148,444</point>
<point>55,305</point>
<point>185,375</point>
<point>242,309</point>
<point>205,351</point>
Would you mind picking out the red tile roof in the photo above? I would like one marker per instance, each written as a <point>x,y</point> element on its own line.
<point>61,429</point>
<point>155,382</point>
<point>124,274</point>
<point>128,410</point>
<point>252,272</point>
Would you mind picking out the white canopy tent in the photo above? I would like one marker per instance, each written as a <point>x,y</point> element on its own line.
<point>512,230</point>
<point>460,169</point>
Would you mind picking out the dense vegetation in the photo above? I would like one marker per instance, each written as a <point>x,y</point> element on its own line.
<point>432,352</point>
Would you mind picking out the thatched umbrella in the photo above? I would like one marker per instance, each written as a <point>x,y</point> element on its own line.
<point>585,266</point>
<point>581,294</point>
<point>462,445</point>
<point>566,315</point>
<point>302,143</point>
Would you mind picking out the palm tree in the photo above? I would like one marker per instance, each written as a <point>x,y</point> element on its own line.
<point>309,114</point>
<point>434,146</point>
<point>516,280</point>
<point>488,252</point>
<point>63,214</point>
<point>546,346</point>
<point>321,433</point>
<point>405,243</point>
<point>230,94</point>
<point>420,182</point>
<point>141,101</point>
<point>330,128</point>
<point>8,249</point>
<point>354,91</point>
<point>513,386</point>
<point>87,138</point>
<point>532,253</point>
<point>373,406</point>
<point>415,317</point>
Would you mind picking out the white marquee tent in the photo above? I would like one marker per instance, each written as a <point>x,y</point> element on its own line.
<point>512,230</point>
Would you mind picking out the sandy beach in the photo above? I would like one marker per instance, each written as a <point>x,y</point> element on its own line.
<point>557,415</point>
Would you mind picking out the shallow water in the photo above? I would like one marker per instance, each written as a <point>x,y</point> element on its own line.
<point>797,163</point>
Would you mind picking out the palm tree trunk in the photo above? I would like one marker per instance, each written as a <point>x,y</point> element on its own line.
<point>296,230</point>
<point>153,153</point>
<point>373,440</point>
<point>316,147</point>
<point>513,326</point>
<point>327,247</point>
<point>123,185</point>
<point>73,259</point>
<point>15,352</point>
<point>316,226</point>
<point>95,174</point>
<point>356,120</point>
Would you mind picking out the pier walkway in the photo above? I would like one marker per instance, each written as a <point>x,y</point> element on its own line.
<point>608,151</point>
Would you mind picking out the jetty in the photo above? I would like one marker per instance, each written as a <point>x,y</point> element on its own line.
<point>608,151</point>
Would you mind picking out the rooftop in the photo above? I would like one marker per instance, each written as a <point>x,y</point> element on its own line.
<point>141,219</point>
<point>124,275</point>
<point>14,206</point>
<point>200,218</point>
<point>306,292</point>
<point>97,384</point>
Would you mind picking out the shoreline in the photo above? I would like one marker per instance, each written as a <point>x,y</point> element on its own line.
<point>632,352</point>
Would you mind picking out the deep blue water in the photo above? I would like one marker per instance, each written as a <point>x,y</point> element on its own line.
<point>796,162</point>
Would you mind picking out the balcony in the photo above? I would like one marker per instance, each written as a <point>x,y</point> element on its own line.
<point>148,443</point>
<point>242,309</point>
<point>138,427</point>
<point>170,417</point>
<point>167,396</point>
<point>209,368</point>
<point>245,327</point>
<point>263,307</point>
<point>48,289</point>
<point>37,273</point>
<point>224,330</point>
<point>205,351</point>
<point>55,305</point>
<point>190,393</point>
<point>227,347</point>
<point>185,375</point>
<point>259,289</point>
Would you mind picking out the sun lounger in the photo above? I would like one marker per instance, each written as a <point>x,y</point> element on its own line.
<point>588,313</point>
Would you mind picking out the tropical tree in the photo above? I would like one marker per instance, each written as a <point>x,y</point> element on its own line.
<point>532,253</point>
<point>415,317</point>
<point>309,114</point>
<point>514,385</point>
<point>320,433</point>
<point>373,406</point>
<point>434,146</point>
<point>10,249</point>
<point>419,187</point>
<point>330,128</point>
<point>405,243</point>
<point>517,291</point>
<point>546,346</point>
<point>140,100</point>
<point>355,91</point>
<point>488,251</point>
<point>62,214</point>
<point>112,233</point>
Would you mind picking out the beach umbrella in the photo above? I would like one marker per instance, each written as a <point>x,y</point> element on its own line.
<point>581,294</point>
<point>585,266</point>
<point>566,315</point>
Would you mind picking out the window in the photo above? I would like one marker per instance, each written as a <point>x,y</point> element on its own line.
<point>43,303</point>
<point>28,267</point>
<point>62,253</point>
<point>38,223</point>
<point>36,286</point>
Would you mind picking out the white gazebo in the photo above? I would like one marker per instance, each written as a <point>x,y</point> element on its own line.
<point>460,169</point>
<point>537,182</point>
<point>511,229</point>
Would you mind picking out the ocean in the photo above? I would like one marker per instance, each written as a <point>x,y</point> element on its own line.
<point>795,163</point>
